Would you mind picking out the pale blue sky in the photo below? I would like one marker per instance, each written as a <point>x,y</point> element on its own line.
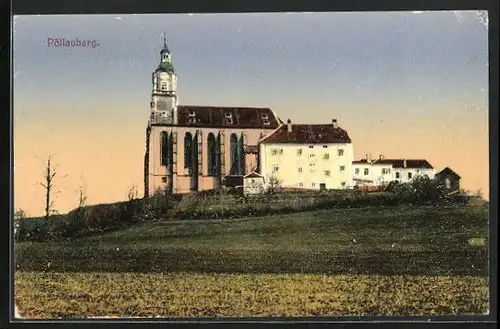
<point>402,84</point>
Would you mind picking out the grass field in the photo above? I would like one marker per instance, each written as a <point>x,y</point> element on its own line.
<point>385,261</point>
<point>246,295</point>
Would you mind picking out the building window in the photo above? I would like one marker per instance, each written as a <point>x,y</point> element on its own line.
<point>188,150</point>
<point>409,175</point>
<point>342,168</point>
<point>326,156</point>
<point>385,171</point>
<point>163,85</point>
<point>366,171</point>
<point>325,146</point>
<point>276,168</point>
<point>341,152</point>
<point>343,184</point>
<point>164,149</point>
<point>327,173</point>
<point>212,155</point>
<point>235,155</point>
<point>299,152</point>
<point>322,186</point>
<point>311,146</point>
<point>301,184</point>
<point>356,171</point>
<point>241,156</point>
<point>300,169</point>
<point>313,184</point>
<point>397,175</point>
<point>312,155</point>
<point>276,151</point>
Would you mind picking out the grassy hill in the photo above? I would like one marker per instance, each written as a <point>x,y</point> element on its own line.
<point>381,240</point>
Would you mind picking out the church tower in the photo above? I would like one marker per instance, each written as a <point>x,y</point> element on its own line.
<point>164,95</point>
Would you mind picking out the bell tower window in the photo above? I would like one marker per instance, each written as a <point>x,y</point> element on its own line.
<point>163,85</point>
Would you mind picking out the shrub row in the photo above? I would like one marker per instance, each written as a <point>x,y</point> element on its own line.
<point>217,205</point>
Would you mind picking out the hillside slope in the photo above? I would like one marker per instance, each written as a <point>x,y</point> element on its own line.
<point>393,240</point>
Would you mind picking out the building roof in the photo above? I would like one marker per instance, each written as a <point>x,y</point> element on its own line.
<point>447,171</point>
<point>253,174</point>
<point>399,163</point>
<point>226,117</point>
<point>166,67</point>
<point>308,134</point>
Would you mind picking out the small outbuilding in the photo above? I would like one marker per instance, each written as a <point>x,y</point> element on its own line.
<point>253,183</point>
<point>449,179</point>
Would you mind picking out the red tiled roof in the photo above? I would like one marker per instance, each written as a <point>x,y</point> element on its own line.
<point>308,134</point>
<point>399,163</point>
<point>226,117</point>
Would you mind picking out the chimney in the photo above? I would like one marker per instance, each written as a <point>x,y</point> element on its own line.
<point>289,125</point>
<point>369,158</point>
<point>335,125</point>
<point>404,163</point>
<point>380,156</point>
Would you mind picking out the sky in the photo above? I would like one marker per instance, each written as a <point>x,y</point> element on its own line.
<point>403,84</point>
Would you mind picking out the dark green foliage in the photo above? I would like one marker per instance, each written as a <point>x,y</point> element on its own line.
<point>223,204</point>
<point>371,240</point>
<point>419,190</point>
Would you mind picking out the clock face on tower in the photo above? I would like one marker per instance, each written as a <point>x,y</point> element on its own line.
<point>164,81</point>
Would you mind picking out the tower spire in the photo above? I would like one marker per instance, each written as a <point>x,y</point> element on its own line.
<point>164,40</point>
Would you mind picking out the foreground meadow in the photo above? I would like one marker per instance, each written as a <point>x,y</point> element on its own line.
<point>52,295</point>
<point>339,262</point>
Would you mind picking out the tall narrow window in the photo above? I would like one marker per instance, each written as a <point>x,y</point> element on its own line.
<point>164,149</point>
<point>234,150</point>
<point>241,156</point>
<point>188,150</point>
<point>212,155</point>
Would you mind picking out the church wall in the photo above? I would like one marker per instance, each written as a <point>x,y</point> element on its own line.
<point>184,182</point>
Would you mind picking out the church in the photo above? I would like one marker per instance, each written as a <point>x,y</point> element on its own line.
<point>196,148</point>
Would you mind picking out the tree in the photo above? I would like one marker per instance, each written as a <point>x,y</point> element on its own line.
<point>49,176</point>
<point>82,194</point>
<point>274,184</point>
<point>132,193</point>
<point>19,214</point>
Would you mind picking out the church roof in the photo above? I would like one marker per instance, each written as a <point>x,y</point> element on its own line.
<point>226,117</point>
<point>165,66</point>
<point>308,134</point>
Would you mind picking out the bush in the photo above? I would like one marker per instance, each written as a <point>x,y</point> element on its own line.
<point>219,204</point>
<point>419,190</point>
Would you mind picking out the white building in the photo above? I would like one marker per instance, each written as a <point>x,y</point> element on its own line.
<point>304,156</point>
<point>367,172</point>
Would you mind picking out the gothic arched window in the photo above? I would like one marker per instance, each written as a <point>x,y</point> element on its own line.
<point>234,153</point>
<point>241,156</point>
<point>188,150</point>
<point>164,149</point>
<point>212,155</point>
